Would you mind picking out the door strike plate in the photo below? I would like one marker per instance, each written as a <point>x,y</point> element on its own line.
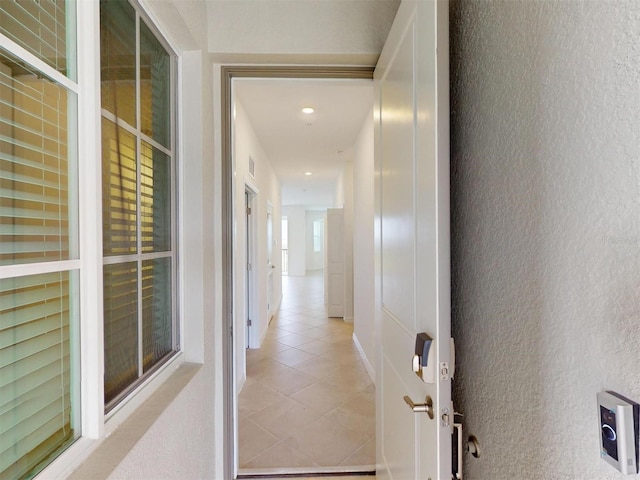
<point>444,371</point>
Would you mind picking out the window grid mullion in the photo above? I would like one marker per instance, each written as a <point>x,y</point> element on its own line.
<point>26,269</point>
<point>137,132</point>
<point>33,61</point>
<point>133,257</point>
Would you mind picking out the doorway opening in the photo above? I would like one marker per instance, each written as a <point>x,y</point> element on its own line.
<point>308,306</point>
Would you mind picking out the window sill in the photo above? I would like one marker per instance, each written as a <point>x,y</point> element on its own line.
<point>97,459</point>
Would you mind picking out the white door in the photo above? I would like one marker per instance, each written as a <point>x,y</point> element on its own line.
<point>335,262</point>
<point>412,241</point>
<point>270,265</point>
<point>250,276</point>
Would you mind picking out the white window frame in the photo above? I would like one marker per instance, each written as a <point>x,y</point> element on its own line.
<point>71,265</point>
<point>139,256</point>
<point>95,425</point>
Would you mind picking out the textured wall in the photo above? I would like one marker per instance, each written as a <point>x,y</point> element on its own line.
<point>545,228</point>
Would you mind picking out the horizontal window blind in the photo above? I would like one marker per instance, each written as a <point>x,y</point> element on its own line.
<point>41,28</point>
<point>118,59</point>
<point>119,190</point>
<point>155,87</point>
<point>155,199</point>
<point>156,310</point>
<point>120,327</point>
<point>138,183</point>
<point>35,369</point>
<point>34,168</point>
<point>39,319</point>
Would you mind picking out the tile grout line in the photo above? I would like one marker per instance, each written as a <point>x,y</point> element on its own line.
<point>333,340</point>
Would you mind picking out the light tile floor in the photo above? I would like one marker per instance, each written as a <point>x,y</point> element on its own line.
<point>308,400</point>
<point>366,477</point>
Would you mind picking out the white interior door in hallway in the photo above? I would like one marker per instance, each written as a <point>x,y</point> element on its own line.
<point>250,282</point>
<point>413,279</point>
<point>335,262</point>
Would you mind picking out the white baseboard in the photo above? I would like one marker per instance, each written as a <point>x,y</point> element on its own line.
<point>365,360</point>
<point>275,310</point>
<point>241,381</point>
<point>348,319</point>
<point>264,331</point>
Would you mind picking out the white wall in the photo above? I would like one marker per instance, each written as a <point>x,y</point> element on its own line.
<point>297,239</point>
<point>545,228</point>
<point>314,260</point>
<point>331,30</point>
<point>267,188</point>
<point>363,247</point>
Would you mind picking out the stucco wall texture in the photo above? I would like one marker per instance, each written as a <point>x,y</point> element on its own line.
<point>545,228</point>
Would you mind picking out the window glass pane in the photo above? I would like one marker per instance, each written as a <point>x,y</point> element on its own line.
<point>38,369</point>
<point>155,92</point>
<point>37,195</point>
<point>119,190</point>
<point>118,59</point>
<point>155,200</point>
<point>44,28</point>
<point>120,328</point>
<point>138,199</point>
<point>156,310</point>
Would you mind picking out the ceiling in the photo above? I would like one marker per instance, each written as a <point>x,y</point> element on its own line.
<point>296,142</point>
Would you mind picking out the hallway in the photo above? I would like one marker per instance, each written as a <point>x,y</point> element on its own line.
<point>308,401</point>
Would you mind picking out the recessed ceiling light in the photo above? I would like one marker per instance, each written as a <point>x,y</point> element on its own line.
<point>307,173</point>
<point>308,110</point>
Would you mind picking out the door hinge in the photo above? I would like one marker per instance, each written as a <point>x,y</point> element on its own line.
<point>248,210</point>
<point>249,322</point>
<point>249,266</point>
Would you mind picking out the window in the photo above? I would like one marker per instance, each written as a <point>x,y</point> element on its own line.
<point>40,264</point>
<point>138,212</point>
<point>39,257</point>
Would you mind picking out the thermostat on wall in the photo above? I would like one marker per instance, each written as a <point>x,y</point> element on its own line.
<point>619,421</point>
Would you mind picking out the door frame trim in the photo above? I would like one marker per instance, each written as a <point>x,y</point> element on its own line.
<point>228,74</point>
